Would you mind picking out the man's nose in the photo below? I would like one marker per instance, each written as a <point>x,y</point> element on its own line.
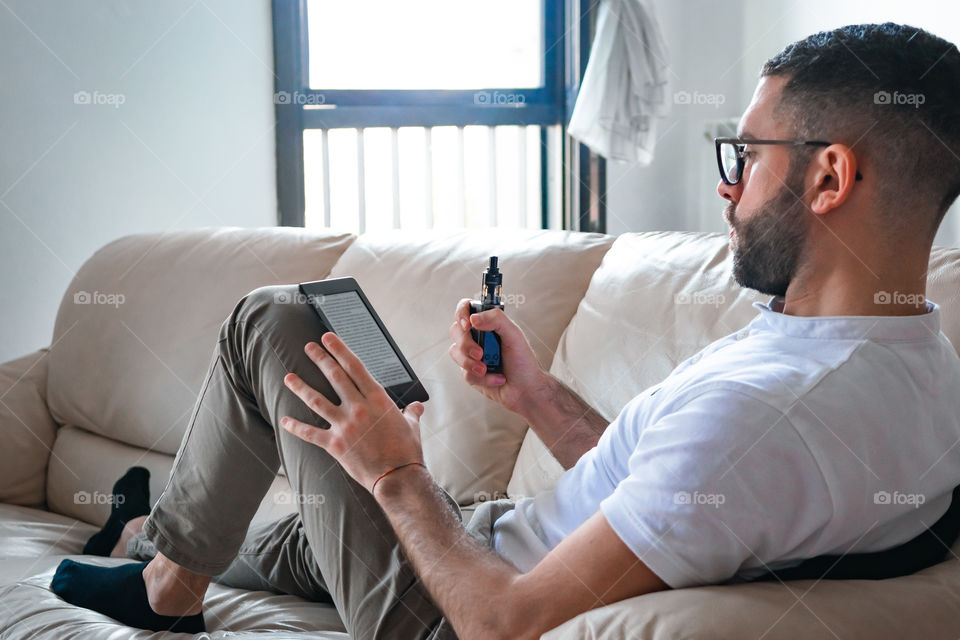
<point>730,192</point>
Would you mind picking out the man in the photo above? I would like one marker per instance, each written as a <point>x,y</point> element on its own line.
<point>770,446</point>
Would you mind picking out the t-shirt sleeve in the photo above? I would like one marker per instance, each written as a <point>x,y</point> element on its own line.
<point>722,481</point>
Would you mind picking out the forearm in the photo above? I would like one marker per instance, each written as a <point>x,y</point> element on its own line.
<point>566,424</point>
<point>469,583</point>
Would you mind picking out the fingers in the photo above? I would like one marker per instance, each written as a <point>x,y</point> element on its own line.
<point>464,350</point>
<point>467,354</point>
<point>484,379</point>
<point>314,400</point>
<point>306,432</point>
<point>347,375</point>
<point>461,320</point>
<point>494,320</point>
<point>462,315</point>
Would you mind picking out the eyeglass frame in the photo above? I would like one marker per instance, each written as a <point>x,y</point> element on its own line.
<point>743,142</point>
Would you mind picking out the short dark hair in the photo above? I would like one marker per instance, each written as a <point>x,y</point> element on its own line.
<point>892,91</point>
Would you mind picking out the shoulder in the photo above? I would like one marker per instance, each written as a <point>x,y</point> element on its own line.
<point>774,374</point>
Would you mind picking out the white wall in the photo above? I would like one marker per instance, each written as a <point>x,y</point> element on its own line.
<point>192,143</point>
<point>678,190</point>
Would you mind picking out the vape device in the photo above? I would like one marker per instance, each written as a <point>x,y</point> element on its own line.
<point>489,299</point>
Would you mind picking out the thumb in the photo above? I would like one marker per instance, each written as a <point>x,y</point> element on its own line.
<point>415,409</point>
<point>493,320</point>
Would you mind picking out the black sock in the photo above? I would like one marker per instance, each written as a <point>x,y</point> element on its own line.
<point>131,499</point>
<point>118,592</point>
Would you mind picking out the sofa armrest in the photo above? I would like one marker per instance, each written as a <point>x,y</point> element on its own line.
<point>27,430</point>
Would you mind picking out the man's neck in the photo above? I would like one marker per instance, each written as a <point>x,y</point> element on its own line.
<point>857,292</point>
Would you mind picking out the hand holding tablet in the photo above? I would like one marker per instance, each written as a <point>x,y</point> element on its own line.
<point>344,309</point>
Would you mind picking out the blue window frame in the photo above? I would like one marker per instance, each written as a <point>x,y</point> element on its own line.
<point>297,106</point>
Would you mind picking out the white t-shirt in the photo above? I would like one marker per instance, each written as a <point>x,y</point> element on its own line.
<point>792,438</point>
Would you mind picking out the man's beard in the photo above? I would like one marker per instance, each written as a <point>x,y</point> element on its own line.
<point>770,244</point>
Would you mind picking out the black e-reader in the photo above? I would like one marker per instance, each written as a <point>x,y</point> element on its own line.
<point>345,310</point>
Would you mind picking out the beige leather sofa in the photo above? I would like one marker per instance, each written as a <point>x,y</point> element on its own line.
<point>610,316</point>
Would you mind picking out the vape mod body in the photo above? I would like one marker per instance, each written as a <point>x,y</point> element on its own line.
<point>490,299</point>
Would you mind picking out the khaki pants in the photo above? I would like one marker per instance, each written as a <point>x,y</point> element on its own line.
<point>339,548</point>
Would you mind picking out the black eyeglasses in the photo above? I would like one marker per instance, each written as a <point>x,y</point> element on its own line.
<point>730,155</point>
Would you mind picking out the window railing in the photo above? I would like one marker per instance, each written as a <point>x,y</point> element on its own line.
<point>446,177</point>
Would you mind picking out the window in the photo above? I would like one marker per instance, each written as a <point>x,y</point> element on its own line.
<point>427,114</point>
<point>427,44</point>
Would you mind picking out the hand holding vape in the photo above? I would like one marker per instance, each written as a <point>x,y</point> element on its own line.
<point>490,299</point>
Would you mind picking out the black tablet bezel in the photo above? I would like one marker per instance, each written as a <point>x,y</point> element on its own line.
<point>402,394</point>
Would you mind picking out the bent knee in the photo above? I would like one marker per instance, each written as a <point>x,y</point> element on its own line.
<point>273,302</point>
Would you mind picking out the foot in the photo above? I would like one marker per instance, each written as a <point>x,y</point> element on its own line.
<point>130,529</point>
<point>131,499</point>
<point>173,590</point>
<point>121,593</point>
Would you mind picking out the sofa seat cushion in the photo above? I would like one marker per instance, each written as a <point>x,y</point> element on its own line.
<point>31,610</point>
<point>30,538</point>
<point>924,605</point>
<point>32,544</point>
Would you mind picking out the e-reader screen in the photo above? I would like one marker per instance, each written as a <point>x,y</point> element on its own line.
<point>344,309</point>
<point>350,320</point>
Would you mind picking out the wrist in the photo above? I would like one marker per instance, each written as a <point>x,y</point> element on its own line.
<point>540,400</point>
<point>400,479</point>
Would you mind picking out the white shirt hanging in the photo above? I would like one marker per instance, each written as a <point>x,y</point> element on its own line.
<point>625,87</point>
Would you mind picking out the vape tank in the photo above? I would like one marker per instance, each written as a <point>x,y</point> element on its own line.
<point>490,299</point>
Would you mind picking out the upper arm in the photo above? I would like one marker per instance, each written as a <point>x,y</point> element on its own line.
<point>589,568</point>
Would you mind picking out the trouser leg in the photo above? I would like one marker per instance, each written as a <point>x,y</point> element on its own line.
<point>229,457</point>
<point>275,556</point>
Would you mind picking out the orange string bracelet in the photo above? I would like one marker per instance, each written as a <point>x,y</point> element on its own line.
<point>374,488</point>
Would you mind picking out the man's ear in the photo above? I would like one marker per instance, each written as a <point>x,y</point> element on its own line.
<point>834,172</point>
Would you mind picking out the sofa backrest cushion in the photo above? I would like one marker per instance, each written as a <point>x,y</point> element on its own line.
<point>415,281</point>
<point>137,327</point>
<point>657,299</point>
